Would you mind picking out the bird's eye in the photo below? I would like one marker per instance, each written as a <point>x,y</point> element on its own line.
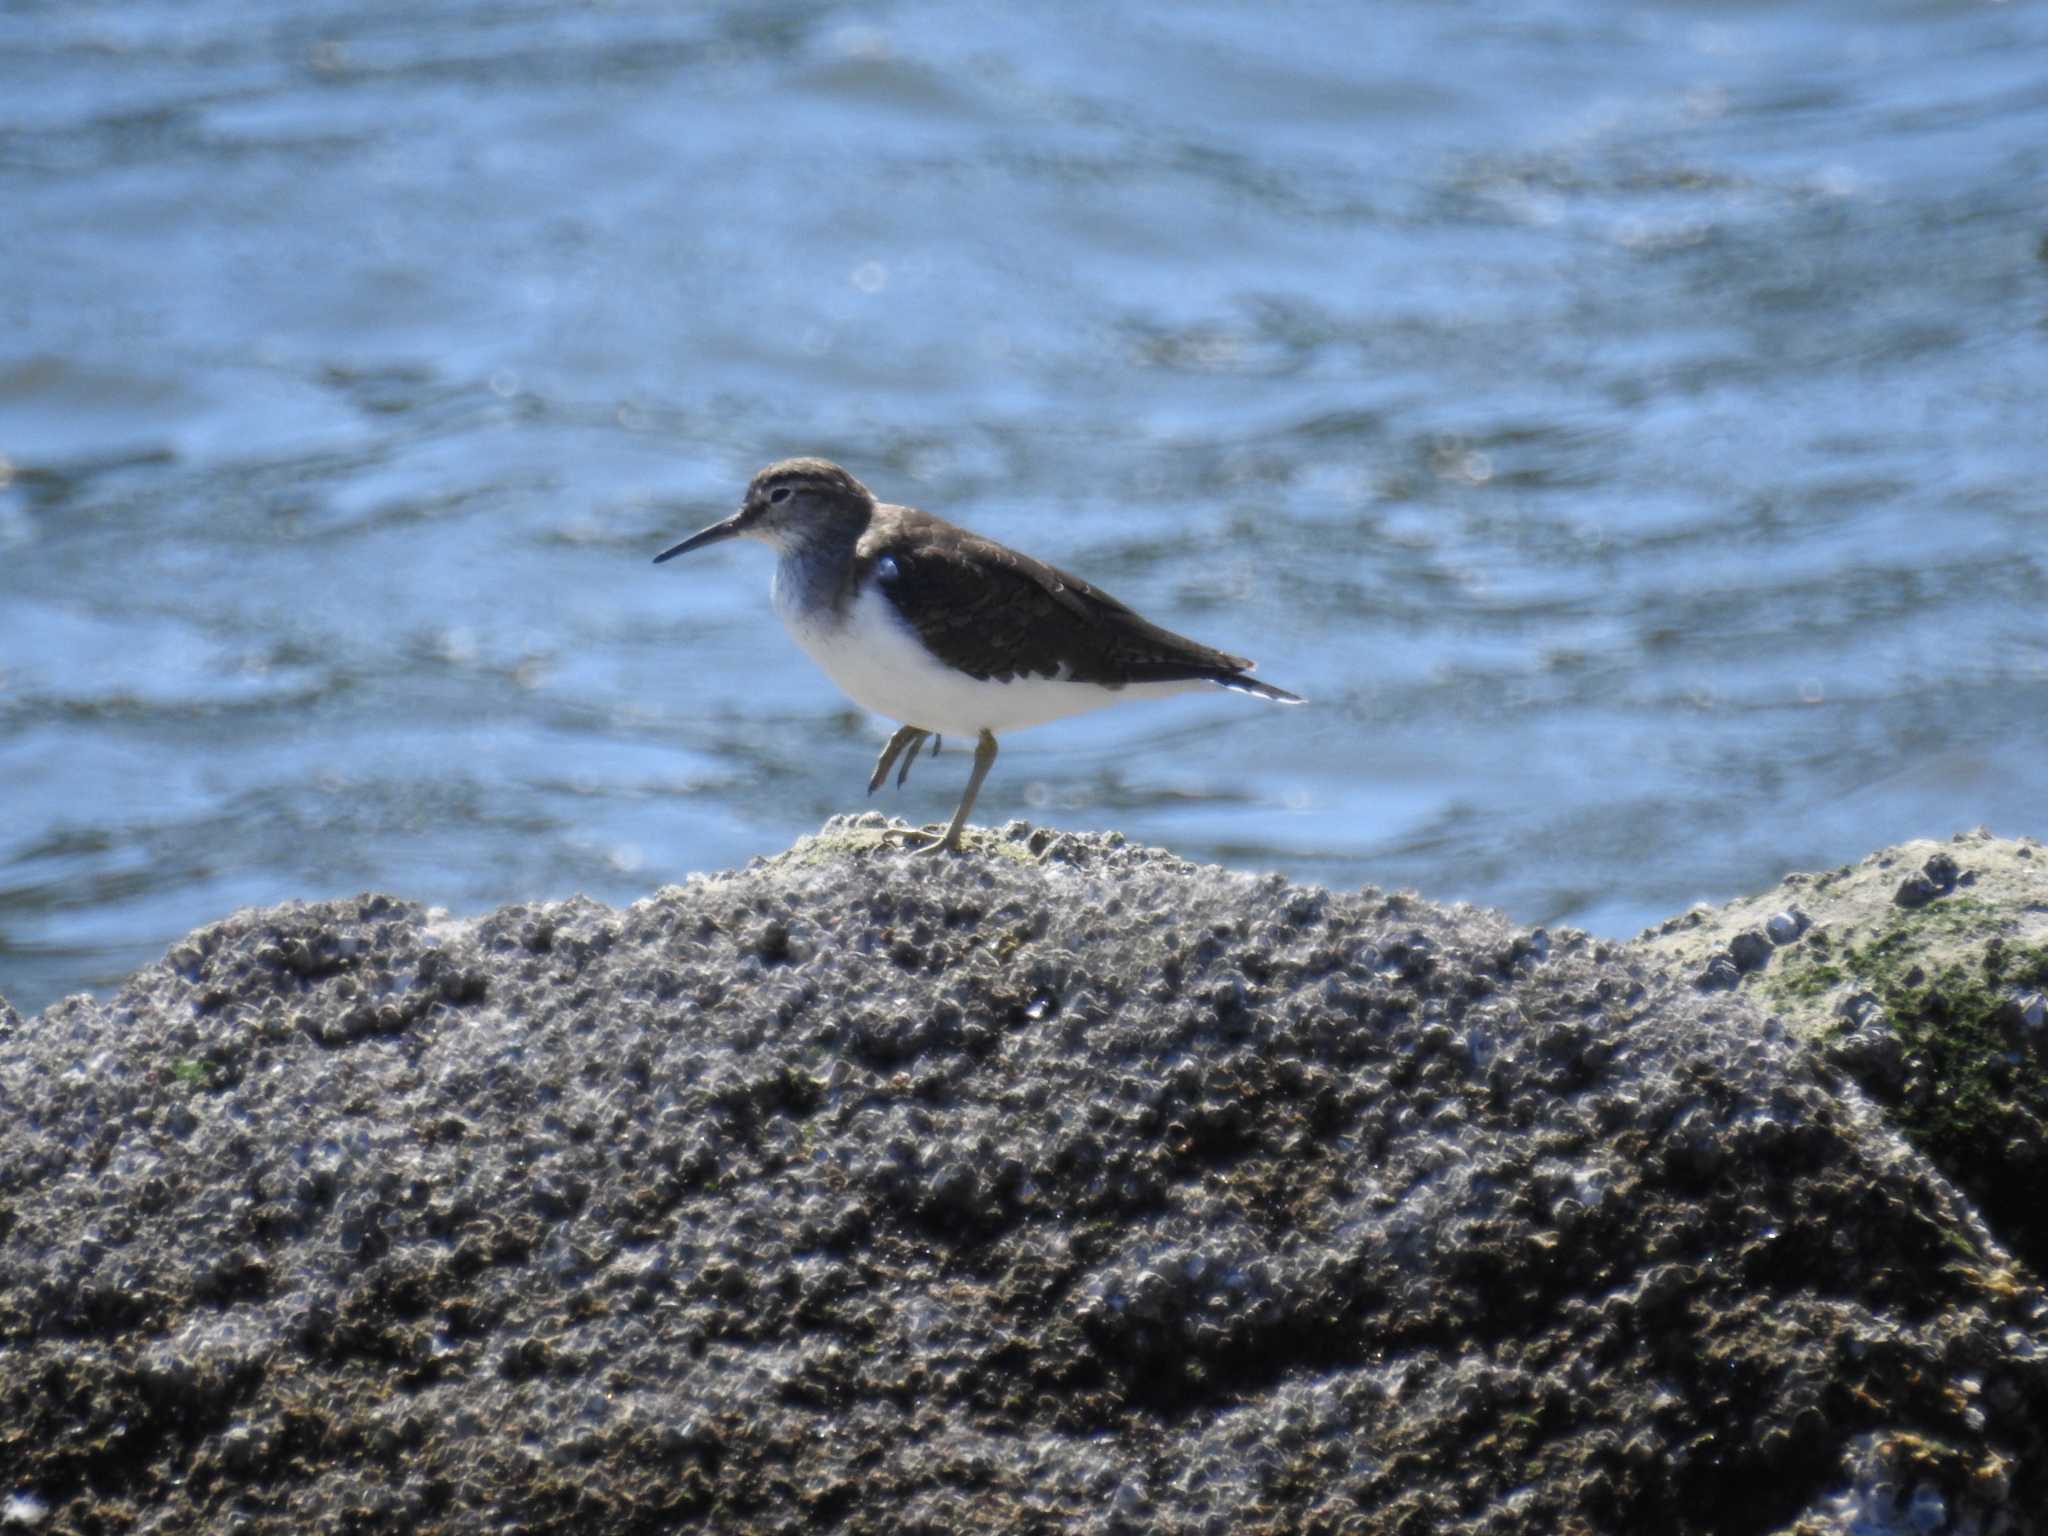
<point>779,495</point>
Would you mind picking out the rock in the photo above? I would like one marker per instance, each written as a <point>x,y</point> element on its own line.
<point>23,1511</point>
<point>874,1193</point>
<point>1937,877</point>
<point>2023,1017</point>
<point>1784,927</point>
<point>1750,950</point>
<point>1720,974</point>
<point>1915,891</point>
<point>1874,1057</point>
<point>1946,977</point>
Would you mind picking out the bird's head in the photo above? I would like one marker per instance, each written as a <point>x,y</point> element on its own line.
<point>787,503</point>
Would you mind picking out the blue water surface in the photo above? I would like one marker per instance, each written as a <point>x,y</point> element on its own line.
<point>1624,421</point>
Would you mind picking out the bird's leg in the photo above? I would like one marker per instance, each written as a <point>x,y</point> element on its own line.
<point>909,736</point>
<point>909,758</point>
<point>984,759</point>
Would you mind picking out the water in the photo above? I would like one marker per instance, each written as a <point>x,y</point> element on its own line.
<point>1624,422</point>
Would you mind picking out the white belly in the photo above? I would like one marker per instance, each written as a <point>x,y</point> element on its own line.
<point>880,663</point>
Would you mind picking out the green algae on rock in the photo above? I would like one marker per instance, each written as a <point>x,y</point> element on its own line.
<point>1920,971</point>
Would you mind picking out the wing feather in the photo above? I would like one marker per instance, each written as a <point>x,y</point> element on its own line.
<point>995,613</point>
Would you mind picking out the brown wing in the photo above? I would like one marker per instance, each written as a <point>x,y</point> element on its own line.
<point>995,613</point>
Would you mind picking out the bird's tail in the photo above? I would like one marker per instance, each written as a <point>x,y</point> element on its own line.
<point>1237,682</point>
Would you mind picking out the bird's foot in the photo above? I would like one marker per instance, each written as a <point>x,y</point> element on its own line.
<point>910,839</point>
<point>911,737</point>
<point>929,839</point>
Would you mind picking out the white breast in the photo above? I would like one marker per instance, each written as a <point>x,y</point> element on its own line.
<point>880,663</point>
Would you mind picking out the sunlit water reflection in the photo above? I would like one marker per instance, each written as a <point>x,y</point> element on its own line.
<point>1624,423</point>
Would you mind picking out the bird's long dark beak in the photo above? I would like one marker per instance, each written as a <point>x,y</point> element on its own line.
<point>715,534</point>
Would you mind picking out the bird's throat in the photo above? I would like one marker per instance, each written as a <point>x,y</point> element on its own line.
<point>814,573</point>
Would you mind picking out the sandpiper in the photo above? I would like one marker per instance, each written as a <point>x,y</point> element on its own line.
<point>949,632</point>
